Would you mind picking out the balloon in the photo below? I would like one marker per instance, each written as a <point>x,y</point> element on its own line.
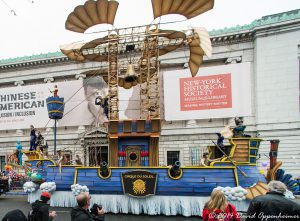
<point>33,176</point>
<point>265,164</point>
<point>262,172</point>
<point>39,176</point>
<point>29,174</point>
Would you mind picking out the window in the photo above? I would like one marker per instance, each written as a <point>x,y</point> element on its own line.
<point>2,163</point>
<point>172,157</point>
<point>196,154</point>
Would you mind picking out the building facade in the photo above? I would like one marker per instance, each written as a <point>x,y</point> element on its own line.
<point>272,47</point>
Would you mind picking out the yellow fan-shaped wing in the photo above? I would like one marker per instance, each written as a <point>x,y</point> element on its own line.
<point>90,14</point>
<point>199,46</point>
<point>187,8</point>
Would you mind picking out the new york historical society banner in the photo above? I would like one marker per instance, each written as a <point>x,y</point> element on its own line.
<point>216,92</point>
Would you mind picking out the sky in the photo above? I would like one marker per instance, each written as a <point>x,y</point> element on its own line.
<point>38,27</point>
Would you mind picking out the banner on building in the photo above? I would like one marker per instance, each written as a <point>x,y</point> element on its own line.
<point>23,106</point>
<point>216,92</point>
<point>207,92</point>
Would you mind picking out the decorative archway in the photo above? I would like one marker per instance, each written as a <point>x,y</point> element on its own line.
<point>96,148</point>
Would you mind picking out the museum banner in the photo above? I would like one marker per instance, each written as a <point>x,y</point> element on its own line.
<point>216,92</point>
<point>207,92</point>
<point>22,106</point>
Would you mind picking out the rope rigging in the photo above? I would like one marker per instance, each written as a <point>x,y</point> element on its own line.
<point>11,9</point>
<point>84,84</point>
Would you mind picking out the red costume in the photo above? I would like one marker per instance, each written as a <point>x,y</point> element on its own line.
<point>55,91</point>
<point>230,214</point>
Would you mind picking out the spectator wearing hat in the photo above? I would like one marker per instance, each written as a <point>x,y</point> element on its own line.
<point>40,208</point>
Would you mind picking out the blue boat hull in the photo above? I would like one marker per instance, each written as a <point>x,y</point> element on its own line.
<point>195,181</point>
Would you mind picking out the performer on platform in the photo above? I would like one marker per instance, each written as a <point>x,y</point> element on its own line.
<point>103,102</point>
<point>19,152</point>
<point>239,129</point>
<point>205,161</point>
<point>78,160</point>
<point>220,141</point>
<point>55,91</point>
<point>32,138</point>
<point>40,141</point>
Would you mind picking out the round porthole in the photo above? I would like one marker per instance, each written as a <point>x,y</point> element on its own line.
<point>133,156</point>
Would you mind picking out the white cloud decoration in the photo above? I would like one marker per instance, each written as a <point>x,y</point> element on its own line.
<point>77,189</point>
<point>233,193</point>
<point>48,187</point>
<point>30,187</point>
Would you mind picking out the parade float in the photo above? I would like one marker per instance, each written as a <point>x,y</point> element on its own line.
<point>132,180</point>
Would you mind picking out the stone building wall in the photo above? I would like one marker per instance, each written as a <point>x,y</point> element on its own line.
<point>277,91</point>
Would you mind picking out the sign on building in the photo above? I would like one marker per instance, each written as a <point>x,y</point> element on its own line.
<point>23,106</point>
<point>216,92</point>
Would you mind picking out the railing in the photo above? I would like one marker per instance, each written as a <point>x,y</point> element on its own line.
<point>196,154</point>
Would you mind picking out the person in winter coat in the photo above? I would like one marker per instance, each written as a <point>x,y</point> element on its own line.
<point>217,208</point>
<point>82,213</point>
<point>32,138</point>
<point>14,215</point>
<point>40,209</point>
<point>273,206</point>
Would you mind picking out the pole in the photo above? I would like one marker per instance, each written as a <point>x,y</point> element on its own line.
<point>273,153</point>
<point>54,137</point>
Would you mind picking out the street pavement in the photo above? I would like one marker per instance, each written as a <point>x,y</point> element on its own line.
<point>8,203</point>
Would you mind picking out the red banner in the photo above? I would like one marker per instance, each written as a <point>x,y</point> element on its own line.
<point>207,92</point>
